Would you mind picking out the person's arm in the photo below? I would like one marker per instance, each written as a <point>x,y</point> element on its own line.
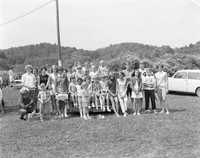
<point>23,80</point>
<point>48,82</point>
<point>167,82</point>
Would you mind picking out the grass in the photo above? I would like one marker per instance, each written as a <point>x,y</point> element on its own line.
<point>147,136</point>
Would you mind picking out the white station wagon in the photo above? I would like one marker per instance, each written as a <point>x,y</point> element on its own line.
<point>185,81</point>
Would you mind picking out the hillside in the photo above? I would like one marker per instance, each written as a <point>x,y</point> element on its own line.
<point>115,55</point>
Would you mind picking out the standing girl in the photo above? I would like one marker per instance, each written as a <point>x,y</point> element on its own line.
<point>137,92</point>
<point>43,98</point>
<point>79,95</point>
<point>121,92</point>
<point>73,91</point>
<point>52,86</point>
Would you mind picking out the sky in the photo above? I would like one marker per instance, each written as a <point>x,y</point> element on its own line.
<point>92,24</point>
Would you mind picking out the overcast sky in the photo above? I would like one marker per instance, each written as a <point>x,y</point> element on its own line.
<point>91,24</point>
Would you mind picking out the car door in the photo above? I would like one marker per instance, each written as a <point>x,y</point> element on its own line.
<point>179,82</point>
<point>193,81</point>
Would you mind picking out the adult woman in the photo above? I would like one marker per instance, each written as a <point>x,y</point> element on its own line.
<point>121,93</point>
<point>51,84</point>
<point>162,88</point>
<point>43,77</point>
<point>137,91</point>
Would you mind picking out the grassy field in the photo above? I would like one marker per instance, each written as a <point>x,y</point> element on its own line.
<point>147,136</point>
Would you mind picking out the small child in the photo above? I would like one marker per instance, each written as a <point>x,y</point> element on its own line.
<point>43,98</point>
<point>2,108</point>
<point>79,96</point>
<point>73,91</point>
<point>85,101</point>
<point>91,89</point>
<point>97,92</point>
<point>104,98</point>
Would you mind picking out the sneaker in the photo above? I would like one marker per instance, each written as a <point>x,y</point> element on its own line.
<point>134,114</point>
<point>85,118</point>
<point>125,114</point>
<point>108,109</point>
<point>148,110</point>
<point>155,112</point>
<point>167,112</point>
<point>162,111</point>
<point>89,118</point>
<point>138,113</point>
<point>117,115</point>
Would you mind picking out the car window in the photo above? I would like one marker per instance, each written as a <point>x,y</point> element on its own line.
<point>181,75</point>
<point>194,75</point>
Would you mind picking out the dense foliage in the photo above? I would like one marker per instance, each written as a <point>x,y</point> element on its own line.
<point>114,55</point>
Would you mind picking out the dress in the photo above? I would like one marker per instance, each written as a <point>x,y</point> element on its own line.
<point>136,93</point>
<point>162,82</point>
<point>122,88</point>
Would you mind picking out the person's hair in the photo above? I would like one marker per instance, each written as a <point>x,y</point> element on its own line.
<point>43,68</point>
<point>122,73</point>
<point>80,80</point>
<point>133,74</point>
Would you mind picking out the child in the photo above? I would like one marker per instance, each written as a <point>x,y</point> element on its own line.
<point>26,104</point>
<point>97,92</point>
<point>73,91</point>
<point>2,108</point>
<point>43,98</point>
<point>104,99</point>
<point>79,96</point>
<point>137,92</point>
<point>85,101</point>
<point>91,89</point>
<point>121,92</point>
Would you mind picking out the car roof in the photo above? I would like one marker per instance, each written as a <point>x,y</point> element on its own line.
<point>189,70</point>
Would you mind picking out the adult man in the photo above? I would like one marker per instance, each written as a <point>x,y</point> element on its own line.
<point>149,85</point>
<point>162,87</point>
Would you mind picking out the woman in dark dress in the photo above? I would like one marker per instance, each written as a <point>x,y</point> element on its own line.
<point>43,77</point>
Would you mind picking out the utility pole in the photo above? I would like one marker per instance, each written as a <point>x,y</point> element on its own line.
<point>58,34</point>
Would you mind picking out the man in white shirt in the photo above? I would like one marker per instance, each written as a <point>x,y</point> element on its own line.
<point>149,84</point>
<point>162,86</point>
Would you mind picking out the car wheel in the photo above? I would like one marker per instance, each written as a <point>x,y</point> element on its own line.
<point>198,92</point>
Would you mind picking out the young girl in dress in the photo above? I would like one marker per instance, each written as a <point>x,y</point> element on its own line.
<point>79,96</point>
<point>85,101</point>
<point>121,92</point>
<point>137,92</point>
<point>73,91</point>
<point>91,89</point>
<point>43,98</point>
<point>104,98</point>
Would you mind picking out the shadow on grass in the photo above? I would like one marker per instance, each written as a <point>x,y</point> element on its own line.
<point>182,94</point>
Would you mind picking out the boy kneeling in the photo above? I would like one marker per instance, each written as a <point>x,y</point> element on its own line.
<point>26,104</point>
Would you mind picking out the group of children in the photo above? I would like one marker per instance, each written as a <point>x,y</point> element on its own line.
<point>89,90</point>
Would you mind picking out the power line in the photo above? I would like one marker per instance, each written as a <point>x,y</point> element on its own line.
<point>26,14</point>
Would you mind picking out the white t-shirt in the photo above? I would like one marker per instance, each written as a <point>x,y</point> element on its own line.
<point>29,80</point>
<point>92,74</point>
